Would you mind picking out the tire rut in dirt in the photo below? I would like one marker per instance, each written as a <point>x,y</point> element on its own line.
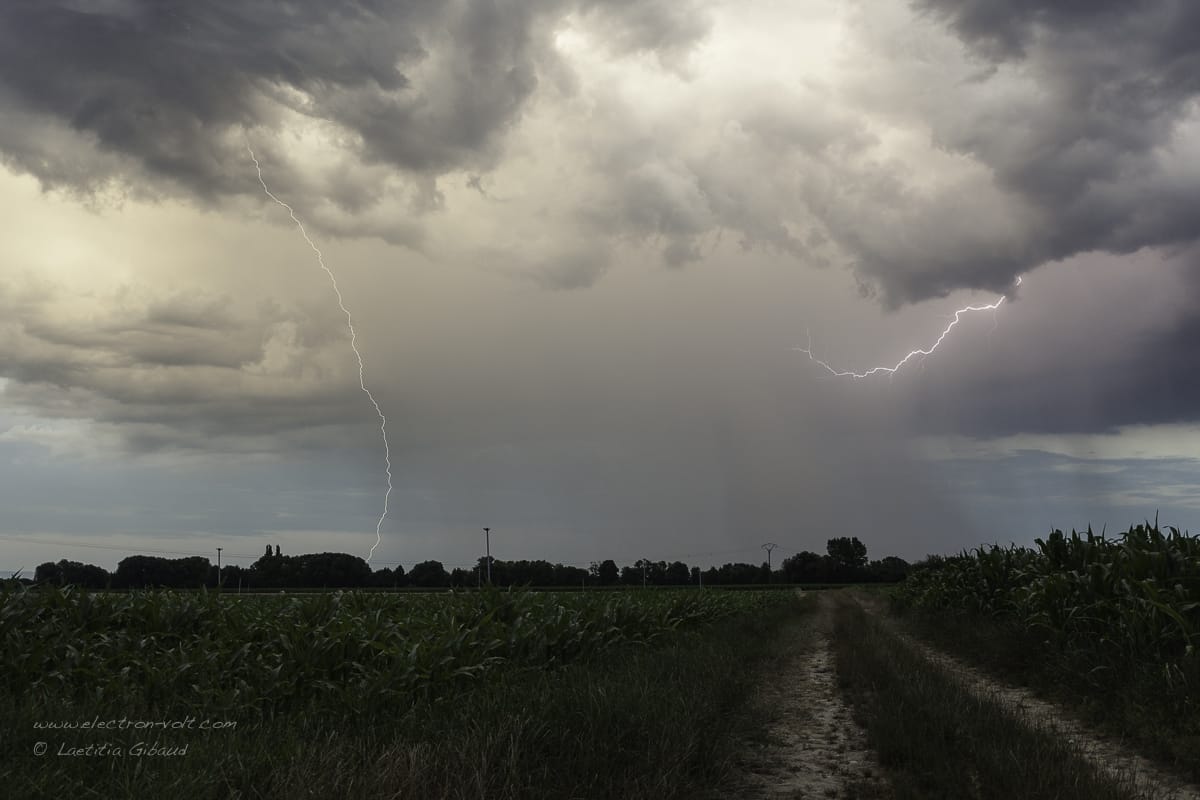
<point>812,747</point>
<point>1150,781</point>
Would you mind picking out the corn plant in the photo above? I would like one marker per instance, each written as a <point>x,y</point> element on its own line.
<point>345,652</point>
<point>1122,606</point>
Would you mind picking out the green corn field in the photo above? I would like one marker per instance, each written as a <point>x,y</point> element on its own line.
<point>1109,611</point>
<point>349,652</point>
<point>358,694</point>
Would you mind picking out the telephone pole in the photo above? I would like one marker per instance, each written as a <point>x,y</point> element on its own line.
<point>219,568</point>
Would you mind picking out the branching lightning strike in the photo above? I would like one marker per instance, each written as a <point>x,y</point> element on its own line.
<point>958,315</point>
<point>387,454</point>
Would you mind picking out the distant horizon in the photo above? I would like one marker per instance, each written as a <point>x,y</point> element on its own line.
<point>782,551</point>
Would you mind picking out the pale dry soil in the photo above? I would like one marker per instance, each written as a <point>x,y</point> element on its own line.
<point>1147,779</point>
<point>812,747</point>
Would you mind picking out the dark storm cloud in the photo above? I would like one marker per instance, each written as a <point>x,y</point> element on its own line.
<point>657,199</point>
<point>160,82</point>
<point>159,375</point>
<point>1058,368</point>
<point>1076,132</point>
<point>173,331</point>
<point>685,187</point>
<point>1080,122</point>
<point>1009,27</point>
<point>1073,400</point>
<point>164,89</point>
<point>1098,150</point>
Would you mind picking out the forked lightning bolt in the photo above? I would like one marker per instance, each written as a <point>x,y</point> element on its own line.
<point>958,315</point>
<point>387,453</point>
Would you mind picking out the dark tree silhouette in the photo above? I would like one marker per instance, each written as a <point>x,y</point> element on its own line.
<point>847,552</point>
<point>72,573</point>
<point>144,572</point>
<point>606,572</point>
<point>429,574</point>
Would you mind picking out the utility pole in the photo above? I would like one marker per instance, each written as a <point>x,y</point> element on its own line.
<point>769,546</point>
<point>219,569</point>
<point>487,538</point>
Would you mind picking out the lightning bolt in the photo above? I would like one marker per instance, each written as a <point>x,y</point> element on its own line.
<point>387,453</point>
<point>892,370</point>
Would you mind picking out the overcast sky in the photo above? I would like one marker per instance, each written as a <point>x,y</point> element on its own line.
<point>581,241</point>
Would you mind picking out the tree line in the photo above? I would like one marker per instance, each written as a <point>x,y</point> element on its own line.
<point>845,561</point>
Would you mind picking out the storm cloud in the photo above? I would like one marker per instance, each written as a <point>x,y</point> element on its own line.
<point>581,240</point>
<point>180,372</point>
<point>1084,116</point>
<point>1052,129</point>
<point>165,91</point>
